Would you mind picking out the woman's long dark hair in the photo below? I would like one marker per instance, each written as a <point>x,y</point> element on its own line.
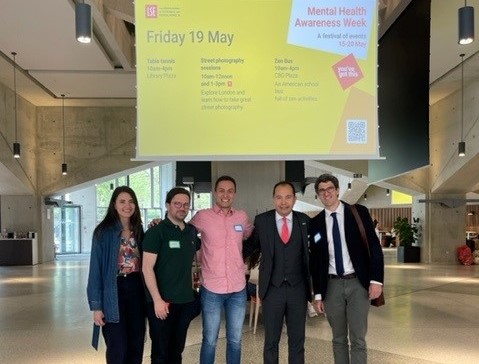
<point>253,259</point>
<point>112,218</point>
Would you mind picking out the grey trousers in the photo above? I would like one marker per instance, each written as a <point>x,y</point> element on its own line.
<point>347,307</point>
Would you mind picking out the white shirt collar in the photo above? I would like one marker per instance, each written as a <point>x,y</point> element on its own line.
<point>289,217</point>
<point>339,210</point>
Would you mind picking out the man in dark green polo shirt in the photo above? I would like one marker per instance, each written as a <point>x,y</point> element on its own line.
<point>168,251</point>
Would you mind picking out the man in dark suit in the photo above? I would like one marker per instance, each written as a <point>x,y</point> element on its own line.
<point>345,275</point>
<point>284,280</point>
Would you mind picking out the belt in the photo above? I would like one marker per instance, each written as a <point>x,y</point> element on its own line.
<point>346,276</point>
<point>128,275</point>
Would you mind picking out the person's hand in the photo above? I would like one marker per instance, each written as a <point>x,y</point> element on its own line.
<point>161,309</point>
<point>375,290</point>
<point>98,318</point>
<point>154,222</point>
<point>319,306</point>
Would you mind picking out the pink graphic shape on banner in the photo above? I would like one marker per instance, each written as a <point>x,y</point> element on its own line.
<point>347,71</point>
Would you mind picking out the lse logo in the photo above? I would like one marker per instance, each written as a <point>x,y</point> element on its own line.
<point>151,11</point>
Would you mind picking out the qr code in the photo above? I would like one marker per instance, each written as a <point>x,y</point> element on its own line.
<point>356,132</point>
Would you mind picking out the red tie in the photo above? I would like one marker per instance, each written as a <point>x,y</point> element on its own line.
<point>285,231</point>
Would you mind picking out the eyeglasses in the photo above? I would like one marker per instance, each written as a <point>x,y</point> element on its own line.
<point>179,205</point>
<point>322,191</point>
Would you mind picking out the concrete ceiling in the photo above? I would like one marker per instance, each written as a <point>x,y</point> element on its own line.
<point>102,72</point>
<point>51,62</point>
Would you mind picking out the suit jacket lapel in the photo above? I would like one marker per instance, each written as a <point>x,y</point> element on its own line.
<point>271,232</point>
<point>322,227</point>
<point>348,220</point>
<point>303,229</point>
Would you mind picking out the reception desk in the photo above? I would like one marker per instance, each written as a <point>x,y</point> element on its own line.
<point>18,251</point>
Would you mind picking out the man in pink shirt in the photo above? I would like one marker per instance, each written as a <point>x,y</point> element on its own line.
<point>223,230</point>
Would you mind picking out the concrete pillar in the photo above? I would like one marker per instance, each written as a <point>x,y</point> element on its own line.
<point>47,251</point>
<point>167,182</point>
<point>86,199</point>
<point>255,182</point>
<point>419,218</point>
<point>446,226</point>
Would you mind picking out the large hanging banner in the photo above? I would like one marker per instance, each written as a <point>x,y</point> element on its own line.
<point>256,79</point>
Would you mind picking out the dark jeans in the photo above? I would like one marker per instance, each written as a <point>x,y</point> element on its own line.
<point>168,336</point>
<point>125,339</point>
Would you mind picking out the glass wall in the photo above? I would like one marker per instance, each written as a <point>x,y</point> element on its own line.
<point>67,222</point>
<point>85,208</point>
<point>147,187</point>
<point>199,201</point>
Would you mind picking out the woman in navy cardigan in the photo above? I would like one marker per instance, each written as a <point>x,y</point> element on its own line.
<point>115,287</point>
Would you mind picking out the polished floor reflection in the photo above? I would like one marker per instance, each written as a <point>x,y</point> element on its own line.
<point>431,316</point>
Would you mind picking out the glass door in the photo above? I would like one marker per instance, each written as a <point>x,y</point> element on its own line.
<point>67,222</point>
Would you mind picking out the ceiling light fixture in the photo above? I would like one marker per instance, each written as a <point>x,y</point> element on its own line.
<point>349,186</point>
<point>83,22</point>
<point>461,151</point>
<point>16,144</point>
<point>466,24</point>
<point>365,196</point>
<point>64,164</point>
<point>387,192</point>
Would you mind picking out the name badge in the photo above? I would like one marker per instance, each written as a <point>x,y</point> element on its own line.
<point>239,228</point>
<point>317,237</point>
<point>174,244</point>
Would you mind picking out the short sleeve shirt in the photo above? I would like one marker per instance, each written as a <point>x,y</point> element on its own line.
<point>175,249</point>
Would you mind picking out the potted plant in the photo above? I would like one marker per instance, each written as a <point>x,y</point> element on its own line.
<point>407,251</point>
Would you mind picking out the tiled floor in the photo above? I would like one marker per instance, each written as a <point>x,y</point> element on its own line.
<point>431,316</point>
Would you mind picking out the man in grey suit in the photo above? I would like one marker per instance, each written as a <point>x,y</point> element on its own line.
<point>284,281</point>
<point>346,272</point>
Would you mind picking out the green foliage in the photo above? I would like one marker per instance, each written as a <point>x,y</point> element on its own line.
<point>103,194</point>
<point>146,184</point>
<point>406,232</point>
<point>140,182</point>
<point>202,201</point>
